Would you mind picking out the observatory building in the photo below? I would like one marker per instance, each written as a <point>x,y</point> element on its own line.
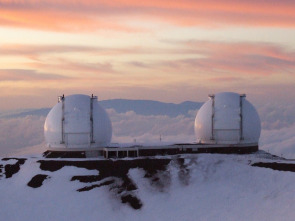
<point>228,119</point>
<point>226,123</point>
<point>77,122</point>
<point>77,126</point>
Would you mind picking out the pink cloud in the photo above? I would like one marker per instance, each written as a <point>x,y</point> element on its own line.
<point>260,59</point>
<point>28,75</point>
<point>91,15</point>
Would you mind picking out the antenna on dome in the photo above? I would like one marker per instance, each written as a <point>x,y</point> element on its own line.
<point>62,99</point>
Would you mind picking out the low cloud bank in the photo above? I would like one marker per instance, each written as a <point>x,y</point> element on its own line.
<point>278,136</point>
<point>22,132</point>
<point>17,133</point>
<point>145,129</point>
<point>280,142</point>
<point>276,116</point>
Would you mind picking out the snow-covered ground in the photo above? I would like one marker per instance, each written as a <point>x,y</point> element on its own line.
<point>204,187</point>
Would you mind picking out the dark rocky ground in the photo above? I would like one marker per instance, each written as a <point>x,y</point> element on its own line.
<point>11,169</point>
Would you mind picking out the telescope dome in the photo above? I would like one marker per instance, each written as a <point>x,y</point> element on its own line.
<point>77,122</point>
<point>227,118</point>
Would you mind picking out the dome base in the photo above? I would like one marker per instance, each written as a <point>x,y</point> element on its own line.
<point>145,151</point>
<point>236,149</point>
<point>73,153</point>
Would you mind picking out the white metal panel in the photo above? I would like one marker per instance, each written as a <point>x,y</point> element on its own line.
<point>77,140</point>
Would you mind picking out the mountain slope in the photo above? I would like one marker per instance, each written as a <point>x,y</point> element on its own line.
<point>188,187</point>
<point>148,107</point>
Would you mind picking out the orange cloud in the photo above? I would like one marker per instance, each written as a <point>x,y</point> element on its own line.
<point>188,64</point>
<point>245,58</point>
<point>70,15</point>
<point>56,20</point>
<point>35,50</point>
<point>257,59</point>
<point>27,75</point>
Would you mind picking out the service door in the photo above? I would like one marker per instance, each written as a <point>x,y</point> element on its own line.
<point>77,125</point>
<point>227,122</point>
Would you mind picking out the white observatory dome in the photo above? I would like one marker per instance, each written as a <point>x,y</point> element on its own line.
<point>227,118</point>
<point>77,121</point>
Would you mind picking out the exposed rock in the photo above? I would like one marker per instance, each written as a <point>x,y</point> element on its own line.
<point>276,166</point>
<point>11,169</point>
<point>37,180</point>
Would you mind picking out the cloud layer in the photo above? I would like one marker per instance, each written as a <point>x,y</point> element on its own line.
<point>278,137</point>
<point>280,142</point>
<point>194,67</point>
<point>147,50</point>
<point>129,126</point>
<point>18,133</point>
<point>88,15</point>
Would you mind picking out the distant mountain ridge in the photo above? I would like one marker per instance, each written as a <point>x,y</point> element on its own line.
<point>141,107</point>
<point>149,107</point>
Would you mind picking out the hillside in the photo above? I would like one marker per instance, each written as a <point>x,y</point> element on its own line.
<point>186,187</point>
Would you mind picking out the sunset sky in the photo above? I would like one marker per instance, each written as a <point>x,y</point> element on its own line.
<point>166,50</point>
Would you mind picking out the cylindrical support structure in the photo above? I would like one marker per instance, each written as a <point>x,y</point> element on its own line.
<point>212,96</point>
<point>62,99</point>
<point>91,118</point>
<point>242,96</point>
